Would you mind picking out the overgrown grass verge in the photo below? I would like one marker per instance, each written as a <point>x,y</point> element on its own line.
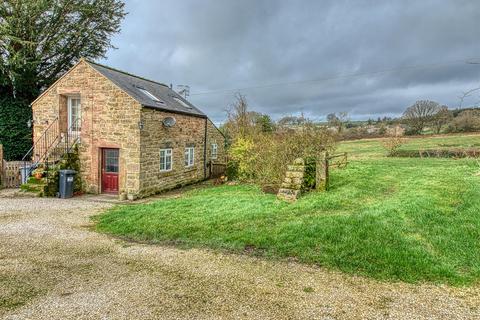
<point>412,220</point>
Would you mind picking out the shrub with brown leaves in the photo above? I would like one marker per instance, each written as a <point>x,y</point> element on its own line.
<point>392,144</point>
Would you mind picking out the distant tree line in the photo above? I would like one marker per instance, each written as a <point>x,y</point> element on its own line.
<point>424,116</point>
<point>430,114</point>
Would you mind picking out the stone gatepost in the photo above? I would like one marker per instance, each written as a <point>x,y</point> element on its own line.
<point>321,174</point>
<point>292,185</point>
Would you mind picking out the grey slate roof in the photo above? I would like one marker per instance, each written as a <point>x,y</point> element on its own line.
<point>131,85</point>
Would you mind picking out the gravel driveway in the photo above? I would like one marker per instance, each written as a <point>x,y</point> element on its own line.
<point>52,266</point>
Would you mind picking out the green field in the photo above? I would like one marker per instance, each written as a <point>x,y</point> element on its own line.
<point>369,148</point>
<point>407,219</point>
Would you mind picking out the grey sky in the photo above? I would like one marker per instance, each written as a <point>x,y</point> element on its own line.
<point>218,45</point>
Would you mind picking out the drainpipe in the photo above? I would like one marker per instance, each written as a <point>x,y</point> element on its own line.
<point>205,152</point>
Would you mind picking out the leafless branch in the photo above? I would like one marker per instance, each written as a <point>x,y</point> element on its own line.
<point>467,94</point>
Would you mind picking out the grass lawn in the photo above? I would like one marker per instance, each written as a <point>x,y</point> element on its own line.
<point>388,218</point>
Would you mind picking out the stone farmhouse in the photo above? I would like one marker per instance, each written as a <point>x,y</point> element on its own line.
<point>134,136</point>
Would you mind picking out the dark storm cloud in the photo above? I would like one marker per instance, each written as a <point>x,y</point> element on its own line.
<point>218,45</point>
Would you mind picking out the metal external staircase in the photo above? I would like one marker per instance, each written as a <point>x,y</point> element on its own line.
<point>51,146</point>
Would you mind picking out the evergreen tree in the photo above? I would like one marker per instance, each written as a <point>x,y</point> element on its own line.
<point>39,41</point>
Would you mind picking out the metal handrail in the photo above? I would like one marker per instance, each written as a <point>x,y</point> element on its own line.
<point>39,138</point>
<point>44,143</point>
<point>48,144</point>
<point>73,135</point>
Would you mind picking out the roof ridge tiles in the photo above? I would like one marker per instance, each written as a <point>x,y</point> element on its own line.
<point>126,73</point>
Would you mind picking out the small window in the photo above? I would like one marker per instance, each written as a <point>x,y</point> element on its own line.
<point>214,150</point>
<point>189,156</point>
<point>165,159</point>
<point>182,103</point>
<point>151,96</point>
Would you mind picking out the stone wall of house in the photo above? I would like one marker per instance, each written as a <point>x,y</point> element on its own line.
<point>188,131</point>
<point>215,136</point>
<point>110,119</point>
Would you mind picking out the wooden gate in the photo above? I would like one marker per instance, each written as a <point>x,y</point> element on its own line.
<point>217,170</point>
<point>324,165</point>
<point>11,176</point>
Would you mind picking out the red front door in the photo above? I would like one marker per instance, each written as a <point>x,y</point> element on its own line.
<point>110,170</point>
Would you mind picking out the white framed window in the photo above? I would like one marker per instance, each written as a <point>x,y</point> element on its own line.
<point>166,159</point>
<point>74,113</point>
<point>214,150</point>
<point>189,156</point>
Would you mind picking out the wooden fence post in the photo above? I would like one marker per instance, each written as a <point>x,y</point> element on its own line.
<point>321,175</point>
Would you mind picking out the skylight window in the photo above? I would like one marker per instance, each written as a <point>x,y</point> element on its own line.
<point>151,96</point>
<point>182,103</point>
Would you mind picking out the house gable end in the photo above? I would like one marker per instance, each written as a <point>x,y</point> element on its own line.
<point>53,85</point>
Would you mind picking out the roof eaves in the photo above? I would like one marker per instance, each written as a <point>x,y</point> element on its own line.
<point>198,115</point>
<point>213,124</point>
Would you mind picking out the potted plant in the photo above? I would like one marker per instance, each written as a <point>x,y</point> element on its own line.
<point>38,174</point>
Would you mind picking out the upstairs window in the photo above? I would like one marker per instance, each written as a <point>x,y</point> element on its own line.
<point>165,159</point>
<point>74,113</point>
<point>189,156</point>
<point>214,150</point>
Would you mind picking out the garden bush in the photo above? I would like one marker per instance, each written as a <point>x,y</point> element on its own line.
<point>15,135</point>
<point>392,144</point>
<point>69,161</point>
<point>263,158</point>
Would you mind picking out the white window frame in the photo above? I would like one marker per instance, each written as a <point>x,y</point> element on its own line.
<point>189,156</point>
<point>214,151</point>
<point>168,152</point>
<point>70,114</point>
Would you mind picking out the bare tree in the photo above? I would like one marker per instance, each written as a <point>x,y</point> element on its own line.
<point>291,120</point>
<point>240,121</point>
<point>468,94</point>
<point>337,120</point>
<point>420,114</point>
<point>441,118</point>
